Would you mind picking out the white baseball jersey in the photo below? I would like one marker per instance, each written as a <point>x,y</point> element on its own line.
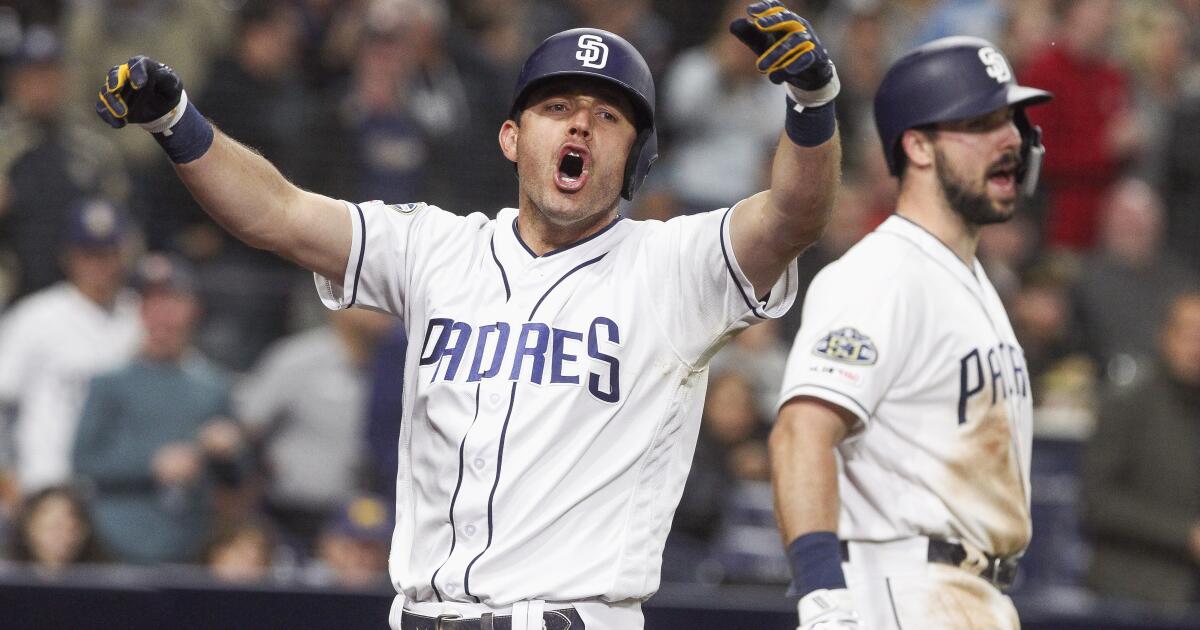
<point>917,345</point>
<point>551,403</point>
<point>51,345</point>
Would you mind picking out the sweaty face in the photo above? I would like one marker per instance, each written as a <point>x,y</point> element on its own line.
<point>976,161</point>
<point>572,143</point>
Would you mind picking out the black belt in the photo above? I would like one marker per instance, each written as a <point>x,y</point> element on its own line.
<point>554,620</point>
<point>999,571</point>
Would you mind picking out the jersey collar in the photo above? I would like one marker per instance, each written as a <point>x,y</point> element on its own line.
<point>933,247</point>
<point>513,251</point>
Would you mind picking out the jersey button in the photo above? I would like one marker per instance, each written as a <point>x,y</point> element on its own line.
<point>495,398</point>
<point>469,530</point>
<point>479,463</point>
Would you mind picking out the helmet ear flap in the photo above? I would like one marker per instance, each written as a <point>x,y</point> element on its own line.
<point>642,155</point>
<point>1032,152</point>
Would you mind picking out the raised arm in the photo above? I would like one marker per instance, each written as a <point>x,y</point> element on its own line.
<point>239,188</point>
<point>772,228</point>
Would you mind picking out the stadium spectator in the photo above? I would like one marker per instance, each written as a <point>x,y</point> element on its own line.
<point>191,33</point>
<point>240,553</point>
<point>636,21</point>
<point>385,407</point>
<point>307,399</point>
<point>1043,320</point>
<point>376,146</point>
<point>977,18</point>
<point>759,355</point>
<point>725,120</point>
<point>1181,182</point>
<point>155,436</point>
<point>353,547</point>
<point>1124,287</point>
<point>259,98</point>
<point>52,342</point>
<point>1090,127</point>
<point>1141,482</point>
<point>1030,28</point>
<point>731,448</point>
<point>1155,37</point>
<point>870,26</point>
<point>48,159</point>
<point>254,88</point>
<point>457,93</point>
<point>1006,250</point>
<point>54,531</point>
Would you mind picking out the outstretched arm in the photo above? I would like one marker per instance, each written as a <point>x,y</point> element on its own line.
<point>247,196</point>
<point>772,228</point>
<point>239,188</point>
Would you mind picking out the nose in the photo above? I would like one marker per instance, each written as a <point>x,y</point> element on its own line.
<point>581,122</point>
<point>1012,136</point>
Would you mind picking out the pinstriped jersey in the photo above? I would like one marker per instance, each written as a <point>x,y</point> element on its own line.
<point>551,403</point>
<point>917,345</point>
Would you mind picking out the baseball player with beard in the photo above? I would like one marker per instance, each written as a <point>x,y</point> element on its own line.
<point>900,457</point>
<point>559,353</point>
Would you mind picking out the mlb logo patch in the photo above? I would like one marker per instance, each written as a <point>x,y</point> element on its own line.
<point>847,345</point>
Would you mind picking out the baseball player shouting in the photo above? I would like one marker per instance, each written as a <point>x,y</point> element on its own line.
<point>907,372</point>
<point>558,360</point>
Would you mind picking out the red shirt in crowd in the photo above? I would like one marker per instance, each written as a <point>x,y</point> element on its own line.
<point>1090,94</point>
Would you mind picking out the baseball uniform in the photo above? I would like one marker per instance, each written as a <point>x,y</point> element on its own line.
<point>917,346</point>
<point>551,403</point>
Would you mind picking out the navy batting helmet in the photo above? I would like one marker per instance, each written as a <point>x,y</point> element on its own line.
<point>591,52</point>
<point>951,79</point>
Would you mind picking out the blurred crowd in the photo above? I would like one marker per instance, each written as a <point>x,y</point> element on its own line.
<point>171,396</point>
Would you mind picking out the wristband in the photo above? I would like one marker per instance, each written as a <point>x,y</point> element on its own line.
<point>183,132</point>
<point>809,126</point>
<point>816,560</point>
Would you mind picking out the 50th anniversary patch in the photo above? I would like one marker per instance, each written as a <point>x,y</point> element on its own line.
<point>847,345</point>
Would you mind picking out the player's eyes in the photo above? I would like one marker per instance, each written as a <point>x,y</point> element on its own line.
<point>609,116</point>
<point>556,107</point>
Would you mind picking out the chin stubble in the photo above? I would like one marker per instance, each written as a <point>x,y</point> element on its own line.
<point>973,206</point>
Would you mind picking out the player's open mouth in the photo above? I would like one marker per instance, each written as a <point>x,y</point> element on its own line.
<point>1004,178</point>
<point>573,163</point>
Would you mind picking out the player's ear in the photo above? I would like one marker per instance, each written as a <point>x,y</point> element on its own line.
<point>917,145</point>
<point>508,139</point>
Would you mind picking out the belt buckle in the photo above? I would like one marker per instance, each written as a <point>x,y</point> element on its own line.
<point>1000,573</point>
<point>437,623</point>
<point>992,572</point>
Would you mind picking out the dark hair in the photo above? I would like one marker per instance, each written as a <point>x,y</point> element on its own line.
<point>254,13</point>
<point>91,551</point>
<point>231,532</point>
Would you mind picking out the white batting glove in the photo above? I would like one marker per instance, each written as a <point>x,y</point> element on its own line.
<point>828,609</point>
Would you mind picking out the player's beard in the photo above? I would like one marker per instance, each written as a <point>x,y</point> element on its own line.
<point>972,203</point>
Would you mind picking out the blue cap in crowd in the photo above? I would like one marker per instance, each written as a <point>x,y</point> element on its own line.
<point>164,272</point>
<point>39,44</point>
<point>96,224</point>
<point>365,518</point>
